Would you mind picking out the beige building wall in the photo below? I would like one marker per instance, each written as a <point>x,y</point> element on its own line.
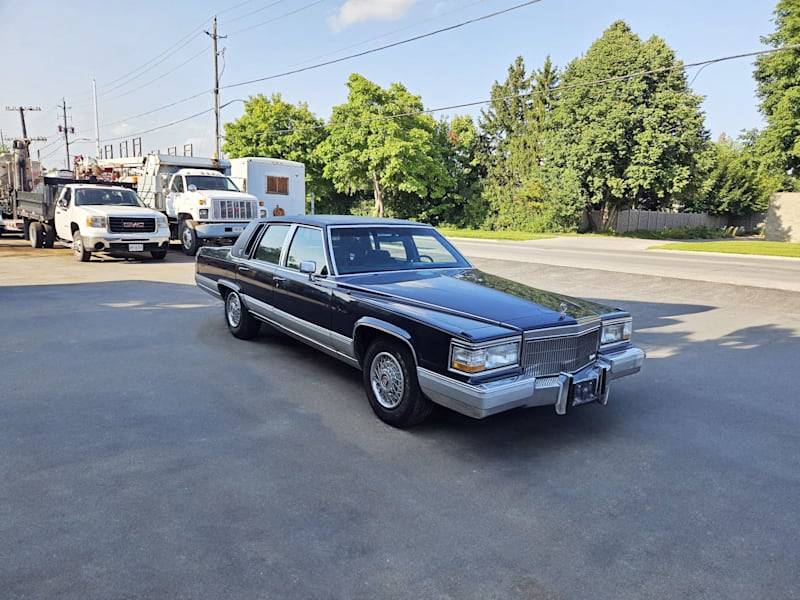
<point>783,218</point>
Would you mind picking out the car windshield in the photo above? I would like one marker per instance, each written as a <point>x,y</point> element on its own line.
<point>210,182</point>
<point>99,196</point>
<point>369,249</point>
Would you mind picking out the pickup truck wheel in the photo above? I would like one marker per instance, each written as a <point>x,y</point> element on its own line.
<point>36,234</point>
<point>158,254</point>
<point>81,253</point>
<point>390,381</point>
<point>49,236</point>
<point>189,241</point>
<point>241,323</point>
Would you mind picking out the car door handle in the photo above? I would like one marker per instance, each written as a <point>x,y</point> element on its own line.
<point>243,269</point>
<point>278,279</point>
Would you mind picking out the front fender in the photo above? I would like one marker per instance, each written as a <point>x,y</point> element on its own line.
<point>384,327</point>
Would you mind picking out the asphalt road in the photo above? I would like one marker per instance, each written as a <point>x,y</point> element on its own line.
<point>630,255</point>
<point>146,453</point>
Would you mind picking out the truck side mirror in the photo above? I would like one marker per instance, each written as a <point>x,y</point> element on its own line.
<point>192,187</point>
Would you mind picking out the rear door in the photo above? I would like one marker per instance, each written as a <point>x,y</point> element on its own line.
<point>256,275</point>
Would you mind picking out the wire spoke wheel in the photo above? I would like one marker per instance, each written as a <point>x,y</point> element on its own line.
<point>233,310</point>
<point>387,380</point>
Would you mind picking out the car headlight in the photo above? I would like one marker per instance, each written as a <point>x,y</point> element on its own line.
<point>203,213</point>
<point>96,221</point>
<point>616,332</point>
<point>161,221</point>
<point>262,213</point>
<point>470,359</point>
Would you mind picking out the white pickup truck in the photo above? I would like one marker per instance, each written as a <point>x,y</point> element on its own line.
<point>97,218</point>
<point>208,205</point>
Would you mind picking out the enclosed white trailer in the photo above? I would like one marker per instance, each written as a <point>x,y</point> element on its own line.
<point>280,184</point>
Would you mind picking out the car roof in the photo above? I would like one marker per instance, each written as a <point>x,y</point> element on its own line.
<point>339,220</point>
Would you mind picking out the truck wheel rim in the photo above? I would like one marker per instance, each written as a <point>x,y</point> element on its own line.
<point>387,380</point>
<point>234,310</point>
<point>78,245</point>
<point>187,238</point>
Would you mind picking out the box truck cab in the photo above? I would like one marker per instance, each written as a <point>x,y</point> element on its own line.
<point>207,205</point>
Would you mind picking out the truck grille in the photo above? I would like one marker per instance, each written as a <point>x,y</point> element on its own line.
<point>553,355</point>
<point>131,225</point>
<point>234,210</point>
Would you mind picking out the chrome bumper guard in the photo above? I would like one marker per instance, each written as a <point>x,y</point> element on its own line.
<point>486,399</point>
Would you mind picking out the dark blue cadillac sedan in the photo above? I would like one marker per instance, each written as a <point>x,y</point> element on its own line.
<point>398,301</point>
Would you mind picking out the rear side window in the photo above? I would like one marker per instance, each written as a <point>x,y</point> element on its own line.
<point>269,249</point>
<point>307,245</point>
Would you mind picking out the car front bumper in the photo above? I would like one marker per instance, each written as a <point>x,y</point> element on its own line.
<point>109,243</point>
<point>227,229</point>
<point>486,399</point>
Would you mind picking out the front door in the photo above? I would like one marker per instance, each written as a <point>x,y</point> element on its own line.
<point>302,301</point>
<point>61,215</point>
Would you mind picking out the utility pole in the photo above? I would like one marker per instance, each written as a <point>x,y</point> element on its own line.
<point>22,110</point>
<point>214,38</point>
<point>66,129</point>
<point>96,121</point>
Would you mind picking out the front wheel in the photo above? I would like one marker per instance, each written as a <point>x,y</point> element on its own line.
<point>80,251</point>
<point>390,381</point>
<point>189,241</point>
<point>241,323</point>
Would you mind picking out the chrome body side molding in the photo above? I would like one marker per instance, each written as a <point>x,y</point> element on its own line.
<point>207,285</point>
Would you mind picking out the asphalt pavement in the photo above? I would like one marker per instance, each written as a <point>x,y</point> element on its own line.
<point>146,453</point>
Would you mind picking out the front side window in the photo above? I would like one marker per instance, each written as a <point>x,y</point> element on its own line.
<point>368,249</point>
<point>106,196</point>
<point>269,249</point>
<point>210,182</point>
<point>66,197</point>
<point>177,184</point>
<point>307,245</point>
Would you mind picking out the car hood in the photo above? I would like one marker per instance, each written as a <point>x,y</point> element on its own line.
<point>222,195</point>
<point>482,296</point>
<point>119,211</point>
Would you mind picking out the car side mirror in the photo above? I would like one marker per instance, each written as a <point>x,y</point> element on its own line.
<point>192,187</point>
<point>309,267</point>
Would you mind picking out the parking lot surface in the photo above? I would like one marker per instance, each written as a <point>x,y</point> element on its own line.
<point>146,453</point>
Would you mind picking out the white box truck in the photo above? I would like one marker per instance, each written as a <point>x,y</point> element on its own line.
<point>279,184</point>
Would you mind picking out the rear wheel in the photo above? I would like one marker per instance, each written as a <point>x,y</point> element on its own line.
<point>49,236</point>
<point>189,242</point>
<point>158,254</point>
<point>390,381</point>
<point>36,234</point>
<point>80,251</point>
<point>241,323</point>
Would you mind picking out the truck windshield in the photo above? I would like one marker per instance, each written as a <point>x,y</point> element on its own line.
<point>209,182</point>
<point>370,249</point>
<point>95,196</point>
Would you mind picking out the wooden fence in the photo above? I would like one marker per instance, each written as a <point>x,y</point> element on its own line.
<point>652,220</point>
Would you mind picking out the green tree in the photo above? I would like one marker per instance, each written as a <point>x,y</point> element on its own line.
<point>629,141</point>
<point>379,140</point>
<point>733,186</point>
<point>778,79</point>
<point>274,128</point>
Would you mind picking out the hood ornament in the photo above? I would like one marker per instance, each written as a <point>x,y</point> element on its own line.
<point>563,310</point>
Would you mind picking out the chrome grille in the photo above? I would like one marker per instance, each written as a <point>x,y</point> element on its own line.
<point>234,210</point>
<point>553,355</point>
<point>131,225</point>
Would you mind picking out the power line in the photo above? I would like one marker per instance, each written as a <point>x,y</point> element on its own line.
<point>559,87</point>
<point>387,46</point>
<point>152,81</point>
<point>159,108</point>
<point>138,133</point>
<point>252,12</point>
<point>277,18</point>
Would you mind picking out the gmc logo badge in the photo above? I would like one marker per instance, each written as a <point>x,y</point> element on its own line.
<point>133,225</point>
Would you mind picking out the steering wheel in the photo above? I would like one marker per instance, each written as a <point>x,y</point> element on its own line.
<point>425,256</point>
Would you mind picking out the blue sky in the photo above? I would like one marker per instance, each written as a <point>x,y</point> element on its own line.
<point>59,46</point>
